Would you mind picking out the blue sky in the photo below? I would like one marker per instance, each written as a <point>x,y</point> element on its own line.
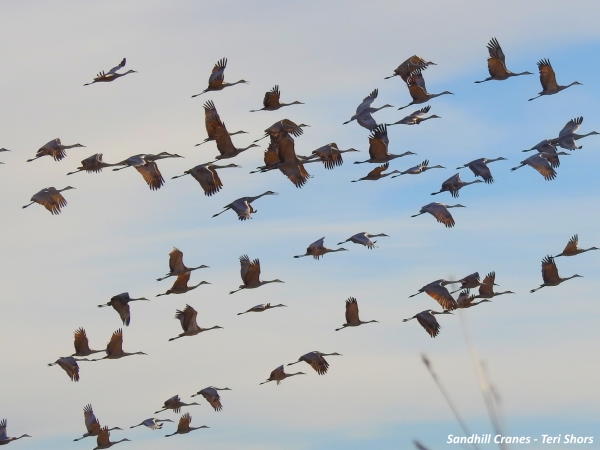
<point>115,234</point>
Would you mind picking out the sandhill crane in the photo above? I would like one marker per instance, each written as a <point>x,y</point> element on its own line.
<point>567,136</point>
<point>465,301</point>
<point>437,291</point>
<point>378,147</point>
<point>330,155</point>
<point>114,348</point>
<point>174,403</point>
<point>183,427</point>
<point>206,175</point>
<point>550,274</point>
<point>440,212</point>
<point>284,126</point>
<point>69,365</point>
<point>92,164</point>
<point>376,173</point>
<point>417,89</point>
<point>279,375</point>
<point>217,77</point>
<point>103,439</point>
<point>243,206</point>
<point>213,122</point>
<point>261,308</point>
<point>271,101</point>
<point>187,319</point>
<point>352,319</point>
<point>80,342</point>
<point>92,424</point>
<point>364,110</point>
<point>407,66</point>
<point>4,439</point>
<point>428,321</point>
<point>480,169</point>
<point>152,423</point>
<point>540,162</point>
<point>316,360</point>
<point>112,74</point>
<point>146,165</point>
<point>212,396</point>
<point>180,285</point>
<point>250,272</point>
<point>497,64</point>
<point>547,149</point>
<point>364,238</point>
<point>419,168</point>
<point>486,288</point>
<point>572,248</point>
<point>55,149</point>
<point>454,184</point>
<point>548,80</point>
<point>120,304</point>
<point>317,249</point>
<point>469,282</point>
<point>50,198</point>
<point>225,145</point>
<point>176,265</point>
<point>416,117</point>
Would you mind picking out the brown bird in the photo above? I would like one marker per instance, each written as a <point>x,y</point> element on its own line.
<point>572,248</point>
<point>408,66</point>
<point>70,366</point>
<point>187,319</point>
<point>261,308</point>
<point>364,238</point>
<point>419,168</point>
<point>183,427</point>
<point>112,74</point>
<point>486,288</point>
<point>271,101</point>
<point>284,126</point>
<point>50,198</point>
<point>547,149</point>
<point>152,423</point>
<point>454,184</point>
<point>216,80</point>
<point>180,286</point>
<point>92,164</point>
<point>548,80</point>
<point>440,212</point>
<point>364,110</point>
<point>92,424</point>
<point>225,145</point>
<point>378,147</point>
<point>376,173</point>
<point>212,396</point>
<point>80,342</point>
<point>330,155</point>
<point>206,175</point>
<point>567,137</point>
<point>146,166</point>
<point>416,117</point>
<point>550,274</point>
<point>114,348</point>
<point>103,439</point>
<point>497,64</point>
<point>417,89</point>
<point>213,122</point>
<point>316,360</point>
<point>540,162</point>
<point>480,169</point>
<point>465,301</point>
<point>175,404</point>
<point>317,249</point>
<point>4,439</point>
<point>120,304</point>
<point>55,149</point>
<point>428,321</point>
<point>279,375</point>
<point>176,265</point>
<point>250,272</point>
<point>243,206</point>
<point>437,291</point>
<point>352,319</point>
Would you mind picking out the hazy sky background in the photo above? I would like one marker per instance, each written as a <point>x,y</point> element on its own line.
<point>115,233</point>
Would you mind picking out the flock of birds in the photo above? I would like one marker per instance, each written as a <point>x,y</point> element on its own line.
<point>280,154</point>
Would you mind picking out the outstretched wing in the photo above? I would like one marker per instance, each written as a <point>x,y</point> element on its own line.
<point>571,246</point>
<point>351,310</point>
<point>377,171</point>
<point>118,66</point>
<point>115,345</point>
<point>151,175</point>
<point>218,74</point>
<point>271,99</point>
<point>429,322</point>
<point>571,127</point>
<point>367,101</point>
<point>549,270</point>
<point>547,76</point>
<point>187,317</point>
<point>80,342</point>
<point>91,422</point>
<point>176,261</point>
